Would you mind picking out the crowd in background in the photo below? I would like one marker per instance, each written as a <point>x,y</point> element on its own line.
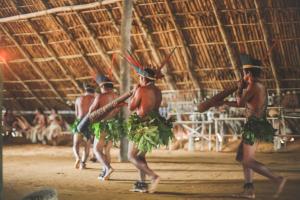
<point>43,129</point>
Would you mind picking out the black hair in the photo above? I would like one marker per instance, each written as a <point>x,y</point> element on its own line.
<point>90,90</point>
<point>254,71</point>
<point>151,73</point>
<point>108,85</point>
<point>40,110</point>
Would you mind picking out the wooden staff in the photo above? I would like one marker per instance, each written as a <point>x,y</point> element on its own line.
<point>205,105</point>
<point>101,113</point>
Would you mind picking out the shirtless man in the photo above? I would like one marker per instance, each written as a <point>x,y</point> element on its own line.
<point>145,102</point>
<point>82,105</point>
<point>107,130</point>
<point>252,94</point>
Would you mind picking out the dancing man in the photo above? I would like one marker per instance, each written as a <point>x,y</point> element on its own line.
<point>107,131</point>
<point>253,95</point>
<point>82,105</point>
<point>146,128</point>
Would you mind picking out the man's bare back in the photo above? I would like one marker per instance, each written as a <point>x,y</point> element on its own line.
<point>146,99</point>
<point>102,100</point>
<point>83,104</point>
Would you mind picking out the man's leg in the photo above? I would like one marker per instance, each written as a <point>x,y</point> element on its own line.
<point>108,147</point>
<point>93,158</point>
<point>243,154</point>
<point>76,144</point>
<point>142,158</point>
<point>86,151</point>
<point>98,151</point>
<point>249,162</point>
<point>142,166</point>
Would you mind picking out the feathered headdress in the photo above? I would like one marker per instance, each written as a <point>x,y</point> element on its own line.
<point>140,69</point>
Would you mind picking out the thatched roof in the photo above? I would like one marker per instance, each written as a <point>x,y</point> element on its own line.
<point>48,56</point>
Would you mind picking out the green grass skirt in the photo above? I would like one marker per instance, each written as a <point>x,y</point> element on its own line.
<point>149,132</point>
<point>112,127</point>
<point>257,129</point>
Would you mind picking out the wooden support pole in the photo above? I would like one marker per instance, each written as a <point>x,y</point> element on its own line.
<point>233,56</point>
<point>267,40</point>
<point>30,61</point>
<point>51,52</point>
<point>24,84</point>
<point>124,66</point>
<point>1,136</point>
<point>186,52</point>
<point>154,51</point>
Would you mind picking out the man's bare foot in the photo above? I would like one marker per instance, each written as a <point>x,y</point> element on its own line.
<point>77,162</point>
<point>108,173</point>
<point>154,184</point>
<point>281,185</point>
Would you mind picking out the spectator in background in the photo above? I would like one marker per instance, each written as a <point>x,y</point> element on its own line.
<point>40,123</point>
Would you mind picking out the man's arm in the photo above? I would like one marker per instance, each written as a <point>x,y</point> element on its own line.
<point>95,103</point>
<point>247,94</point>
<point>231,103</point>
<point>135,100</point>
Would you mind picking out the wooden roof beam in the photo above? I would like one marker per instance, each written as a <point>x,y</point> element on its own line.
<point>57,10</point>
<point>267,40</point>
<point>51,52</point>
<point>186,52</point>
<point>233,56</point>
<point>33,64</point>
<point>154,51</point>
<point>24,84</point>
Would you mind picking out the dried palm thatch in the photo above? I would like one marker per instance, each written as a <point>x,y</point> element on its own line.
<point>50,47</point>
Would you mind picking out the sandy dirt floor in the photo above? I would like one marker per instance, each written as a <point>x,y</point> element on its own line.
<point>184,175</point>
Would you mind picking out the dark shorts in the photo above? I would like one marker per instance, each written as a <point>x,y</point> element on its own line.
<point>88,133</point>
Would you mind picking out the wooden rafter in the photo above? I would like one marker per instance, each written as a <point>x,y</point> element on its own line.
<point>33,64</point>
<point>51,52</point>
<point>169,79</point>
<point>72,40</point>
<point>57,10</point>
<point>233,56</point>
<point>267,41</point>
<point>186,52</point>
<point>98,46</point>
<point>24,84</point>
<point>112,19</point>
